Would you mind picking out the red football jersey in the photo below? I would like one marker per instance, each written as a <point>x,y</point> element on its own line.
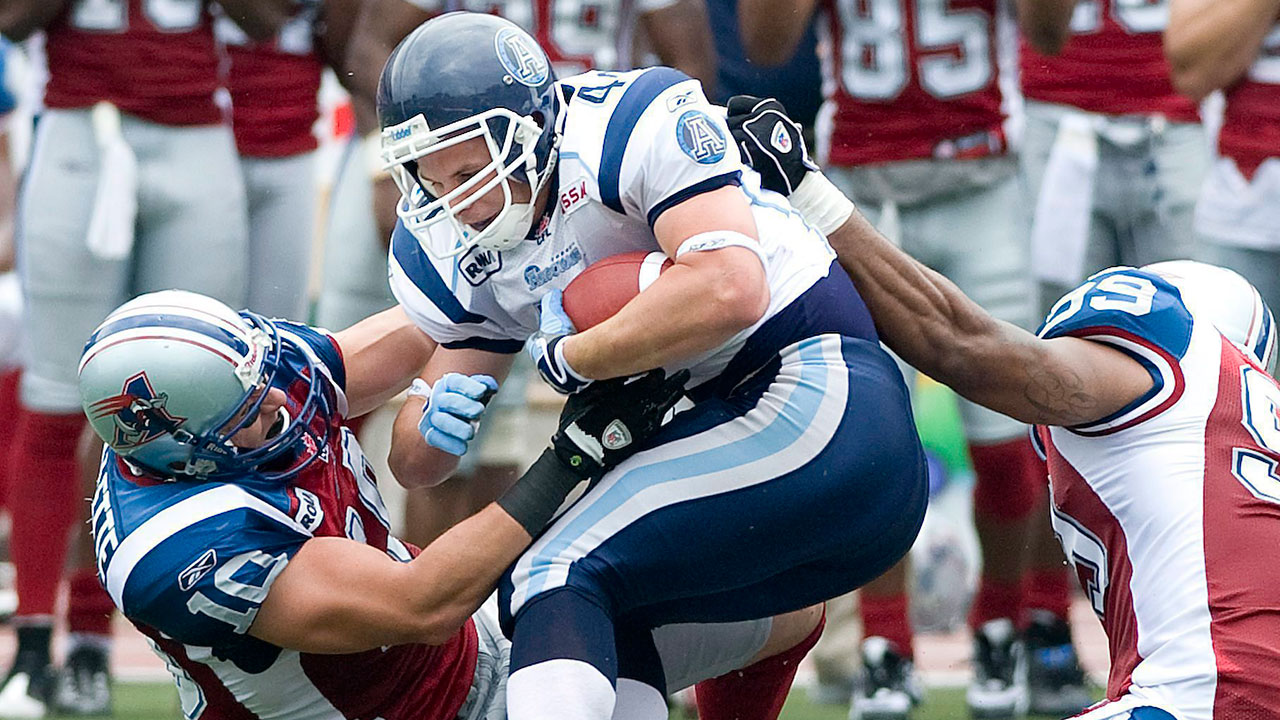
<point>154,59</point>
<point>1112,64</point>
<point>274,86</point>
<point>1251,125</point>
<point>911,80</point>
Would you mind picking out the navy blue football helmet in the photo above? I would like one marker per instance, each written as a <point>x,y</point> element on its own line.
<point>458,77</point>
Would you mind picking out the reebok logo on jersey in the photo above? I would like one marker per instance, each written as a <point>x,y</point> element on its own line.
<point>521,57</point>
<point>675,102</point>
<point>700,138</point>
<point>780,139</point>
<point>188,578</point>
<point>479,264</point>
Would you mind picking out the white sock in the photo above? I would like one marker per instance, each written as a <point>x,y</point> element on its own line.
<point>560,689</point>
<point>638,701</point>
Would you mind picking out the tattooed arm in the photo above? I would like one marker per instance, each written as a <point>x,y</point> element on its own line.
<point>926,320</point>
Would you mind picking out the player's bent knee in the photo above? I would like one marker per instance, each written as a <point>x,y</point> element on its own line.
<point>791,629</point>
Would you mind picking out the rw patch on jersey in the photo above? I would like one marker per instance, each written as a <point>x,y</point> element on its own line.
<point>700,138</point>
<point>479,264</point>
<point>521,57</point>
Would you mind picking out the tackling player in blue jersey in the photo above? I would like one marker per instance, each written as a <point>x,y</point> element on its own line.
<point>237,523</point>
<point>795,476</point>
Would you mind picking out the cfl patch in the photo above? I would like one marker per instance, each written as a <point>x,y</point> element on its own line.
<point>521,57</point>
<point>700,138</point>
<point>780,139</point>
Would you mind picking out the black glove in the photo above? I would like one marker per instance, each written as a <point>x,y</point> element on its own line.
<point>606,423</point>
<point>771,143</point>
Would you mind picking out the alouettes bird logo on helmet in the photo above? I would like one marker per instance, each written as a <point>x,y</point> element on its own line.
<point>138,412</point>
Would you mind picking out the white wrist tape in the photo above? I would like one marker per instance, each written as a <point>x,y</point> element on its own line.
<point>419,388</point>
<point>717,239</point>
<point>821,203</point>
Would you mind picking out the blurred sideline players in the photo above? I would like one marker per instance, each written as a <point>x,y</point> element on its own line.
<point>1234,46</point>
<point>274,86</point>
<point>10,292</point>
<point>1113,155</point>
<point>131,153</point>
<point>915,133</point>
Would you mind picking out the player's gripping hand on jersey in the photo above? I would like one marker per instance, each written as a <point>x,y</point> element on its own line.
<point>452,412</point>
<point>599,428</point>
<point>546,347</point>
<point>773,146</point>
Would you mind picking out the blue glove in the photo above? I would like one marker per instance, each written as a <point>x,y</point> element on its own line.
<point>452,413</point>
<point>546,346</point>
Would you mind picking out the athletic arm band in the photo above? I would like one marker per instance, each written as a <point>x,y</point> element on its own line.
<point>821,203</point>
<point>717,239</point>
<point>536,496</point>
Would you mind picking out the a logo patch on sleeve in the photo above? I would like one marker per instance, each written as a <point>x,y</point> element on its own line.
<point>191,575</point>
<point>522,57</point>
<point>700,138</point>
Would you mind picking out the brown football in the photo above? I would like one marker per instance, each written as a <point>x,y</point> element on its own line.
<point>606,285</point>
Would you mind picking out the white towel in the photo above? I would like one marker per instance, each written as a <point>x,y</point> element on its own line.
<point>1060,230</point>
<point>115,203</point>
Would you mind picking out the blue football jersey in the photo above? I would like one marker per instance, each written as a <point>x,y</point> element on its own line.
<point>190,564</point>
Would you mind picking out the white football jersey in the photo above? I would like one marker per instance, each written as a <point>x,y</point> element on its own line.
<point>1169,509</point>
<point>633,144</point>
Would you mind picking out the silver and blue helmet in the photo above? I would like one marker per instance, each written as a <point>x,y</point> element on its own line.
<point>169,377</point>
<point>457,77</point>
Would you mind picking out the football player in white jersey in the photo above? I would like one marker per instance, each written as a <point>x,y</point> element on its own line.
<point>795,476</point>
<point>1156,407</point>
<point>237,523</point>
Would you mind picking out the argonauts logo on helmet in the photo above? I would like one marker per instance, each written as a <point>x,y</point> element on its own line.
<point>522,57</point>
<point>139,413</point>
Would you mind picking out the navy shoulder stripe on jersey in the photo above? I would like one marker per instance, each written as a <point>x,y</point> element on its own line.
<point>418,268</point>
<point>635,100</point>
<point>502,346</point>
<point>679,196</point>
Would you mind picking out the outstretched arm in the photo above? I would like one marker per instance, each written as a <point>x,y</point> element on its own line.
<point>924,317</point>
<point>936,328</point>
<point>381,354</point>
<point>337,595</point>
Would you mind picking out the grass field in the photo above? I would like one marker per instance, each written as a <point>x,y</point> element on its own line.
<point>156,701</point>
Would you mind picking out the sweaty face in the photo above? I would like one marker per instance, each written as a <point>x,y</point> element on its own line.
<point>448,168</point>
